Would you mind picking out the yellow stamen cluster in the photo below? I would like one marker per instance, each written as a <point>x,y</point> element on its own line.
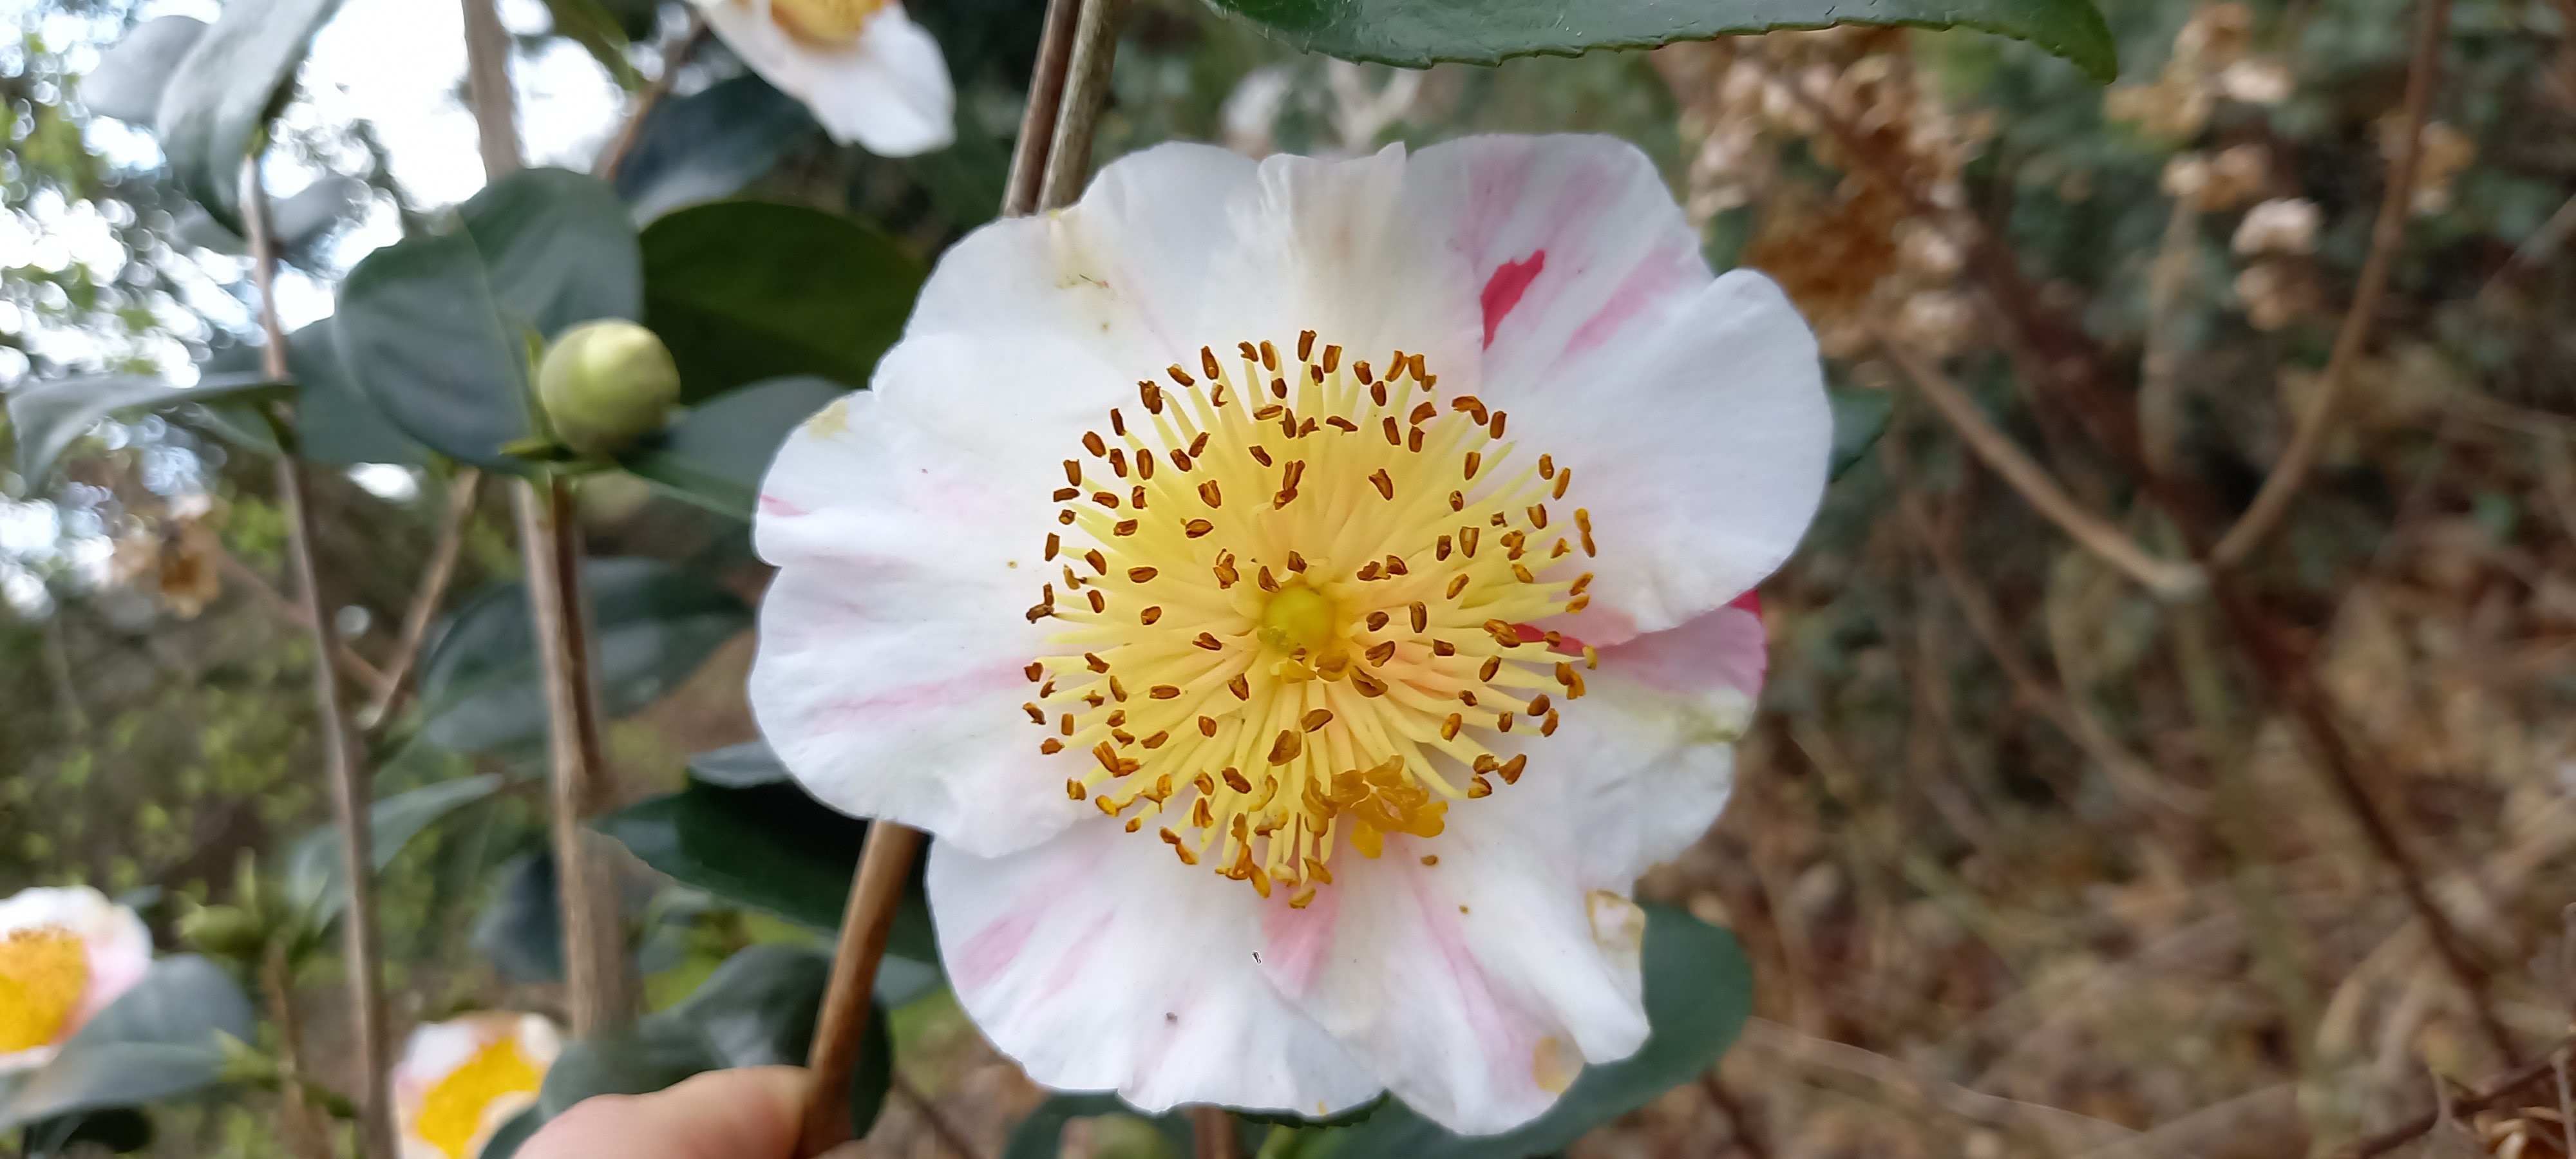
<point>824,22</point>
<point>1297,595</point>
<point>43,972</point>
<point>452,1112</point>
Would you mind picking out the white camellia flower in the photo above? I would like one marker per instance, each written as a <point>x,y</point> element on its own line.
<point>1301,598</point>
<point>460,1080</point>
<point>64,955</point>
<point>867,71</point>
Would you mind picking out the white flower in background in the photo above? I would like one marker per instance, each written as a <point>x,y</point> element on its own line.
<point>64,955</point>
<point>1301,597</point>
<point>460,1080</point>
<point>867,71</point>
<point>2283,225</point>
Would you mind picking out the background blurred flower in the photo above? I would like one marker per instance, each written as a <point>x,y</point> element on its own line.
<point>64,955</point>
<point>867,71</point>
<point>460,1080</point>
<point>1370,664</point>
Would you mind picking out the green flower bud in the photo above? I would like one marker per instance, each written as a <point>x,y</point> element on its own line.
<point>223,931</point>
<point>606,384</point>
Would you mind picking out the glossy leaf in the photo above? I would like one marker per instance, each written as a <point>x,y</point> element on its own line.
<point>556,250</point>
<point>1416,33</point>
<point>1699,989</point>
<point>162,1038</point>
<point>49,416</point>
<point>520,929</point>
<point>653,624</point>
<point>710,144</point>
<point>215,108</point>
<point>739,766</point>
<point>745,290</point>
<point>130,76</point>
<point>420,331</point>
<point>598,32</point>
<point>1860,417</point>
<point>717,453</point>
<point>313,877</point>
<point>335,422</point>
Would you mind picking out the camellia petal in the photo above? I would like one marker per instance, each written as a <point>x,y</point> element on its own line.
<point>1099,970</point>
<point>458,1081</point>
<point>866,70</point>
<point>1361,544</point>
<point>65,954</point>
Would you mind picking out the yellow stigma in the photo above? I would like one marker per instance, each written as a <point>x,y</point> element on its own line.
<point>43,972</point>
<point>1298,598</point>
<point>452,1112</point>
<point>827,22</point>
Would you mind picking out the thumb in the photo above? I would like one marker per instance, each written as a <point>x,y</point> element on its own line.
<point>752,1113</point>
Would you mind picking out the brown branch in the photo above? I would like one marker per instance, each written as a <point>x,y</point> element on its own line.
<point>633,127</point>
<point>947,1132</point>
<point>343,757</point>
<point>550,544</point>
<point>305,1135</point>
<point>425,600</point>
<point>2161,576</point>
<point>1212,1133</point>
<point>2470,1103</point>
<point>2432,21</point>
<point>1060,94</point>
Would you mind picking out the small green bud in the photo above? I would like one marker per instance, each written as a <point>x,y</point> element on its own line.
<point>606,384</point>
<point>223,931</point>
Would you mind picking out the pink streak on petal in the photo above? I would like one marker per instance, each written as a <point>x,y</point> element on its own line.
<point>1507,1047</point>
<point>774,505</point>
<point>1503,291</point>
<point>1068,968</point>
<point>992,948</point>
<point>1493,190</point>
<point>1296,940</point>
<point>1660,275</point>
<point>918,696</point>
<point>1726,647</point>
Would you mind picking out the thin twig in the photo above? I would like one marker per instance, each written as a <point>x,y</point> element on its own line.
<point>2432,22</point>
<point>1212,1134</point>
<point>2066,1130</point>
<point>304,1135</point>
<point>646,101</point>
<point>885,864</point>
<point>350,664</point>
<point>343,760</point>
<point>1059,93</point>
<point>948,1133</point>
<point>425,599</point>
<point>2470,1103</point>
<point>2161,576</point>
<point>550,544</point>
<point>2159,391</point>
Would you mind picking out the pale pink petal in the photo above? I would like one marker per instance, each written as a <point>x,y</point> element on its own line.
<point>115,941</point>
<point>1099,962</point>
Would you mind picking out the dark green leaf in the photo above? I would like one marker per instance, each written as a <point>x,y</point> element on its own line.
<point>313,876</point>
<point>214,110</point>
<point>49,416</point>
<point>739,766</point>
<point>1860,416</point>
<point>164,1037</point>
<point>117,1129</point>
<point>421,333</point>
<point>597,31</point>
<point>757,1009</point>
<point>514,1134</point>
<point>1699,990</point>
<point>745,290</point>
<point>710,144</point>
<point>772,848</point>
<point>520,930</point>
<point>653,623</point>
<point>335,422</point>
<point>1415,33</point>
<point>716,454</point>
<point>556,249</point>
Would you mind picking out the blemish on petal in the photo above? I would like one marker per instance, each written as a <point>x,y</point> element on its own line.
<point>1553,1064</point>
<point>1503,291</point>
<point>830,421</point>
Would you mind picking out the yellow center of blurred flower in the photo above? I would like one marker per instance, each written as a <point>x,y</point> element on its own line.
<point>827,22</point>
<point>452,1113</point>
<point>1289,590</point>
<point>42,974</point>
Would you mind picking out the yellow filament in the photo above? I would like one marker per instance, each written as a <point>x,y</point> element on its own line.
<point>1309,620</point>
<point>831,22</point>
<point>43,972</point>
